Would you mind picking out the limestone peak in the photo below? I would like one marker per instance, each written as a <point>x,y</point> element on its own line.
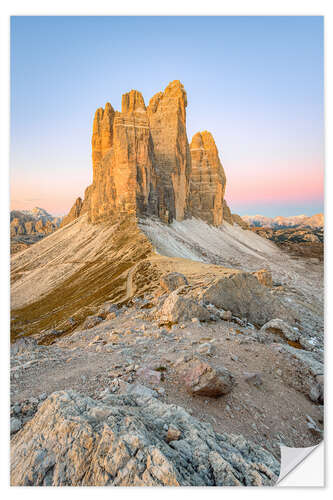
<point>132,101</point>
<point>176,89</point>
<point>208,180</point>
<point>203,140</point>
<point>143,164</point>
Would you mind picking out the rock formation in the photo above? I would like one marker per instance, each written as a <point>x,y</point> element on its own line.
<point>237,219</point>
<point>143,165</point>
<point>123,176</point>
<point>208,180</point>
<point>227,215</point>
<point>246,297</point>
<point>32,222</point>
<point>130,440</point>
<point>167,121</point>
<point>73,213</point>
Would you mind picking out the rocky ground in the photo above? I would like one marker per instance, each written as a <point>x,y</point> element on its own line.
<point>301,241</point>
<point>21,242</point>
<point>223,325</point>
<point>266,389</point>
<point>156,340</point>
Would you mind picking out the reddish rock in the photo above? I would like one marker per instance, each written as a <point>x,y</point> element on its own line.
<point>132,101</point>
<point>201,379</point>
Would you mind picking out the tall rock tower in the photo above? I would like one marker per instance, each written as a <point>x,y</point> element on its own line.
<point>143,165</point>
<point>123,175</point>
<point>167,121</point>
<point>208,180</point>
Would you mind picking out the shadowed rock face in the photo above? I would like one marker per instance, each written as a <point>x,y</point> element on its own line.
<point>208,180</point>
<point>142,163</point>
<point>227,216</point>
<point>245,296</point>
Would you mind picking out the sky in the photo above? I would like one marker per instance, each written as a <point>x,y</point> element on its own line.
<point>256,83</point>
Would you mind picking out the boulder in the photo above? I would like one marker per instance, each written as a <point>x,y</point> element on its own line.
<point>201,379</point>
<point>137,390</point>
<point>74,440</point>
<point>281,328</point>
<point>172,281</point>
<point>245,297</point>
<point>177,308</point>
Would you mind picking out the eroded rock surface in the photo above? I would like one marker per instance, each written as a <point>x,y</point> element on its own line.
<point>264,276</point>
<point>142,163</point>
<point>178,308</point>
<point>244,296</point>
<point>208,180</point>
<point>281,328</point>
<point>127,441</point>
<point>167,121</point>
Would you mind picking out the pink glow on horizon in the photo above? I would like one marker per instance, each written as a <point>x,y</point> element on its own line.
<point>276,186</point>
<point>245,185</point>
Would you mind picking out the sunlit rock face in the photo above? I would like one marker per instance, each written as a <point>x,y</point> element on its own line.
<point>172,160</point>
<point>143,165</point>
<point>124,180</point>
<point>208,180</point>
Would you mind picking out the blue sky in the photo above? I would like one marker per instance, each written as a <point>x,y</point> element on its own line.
<point>256,83</point>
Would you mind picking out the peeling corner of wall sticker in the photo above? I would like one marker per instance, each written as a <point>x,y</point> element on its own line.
<point>302,466</point>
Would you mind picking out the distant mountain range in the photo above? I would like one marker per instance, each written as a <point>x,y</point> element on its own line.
<point>32,222</point>
<point>299,221</point>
